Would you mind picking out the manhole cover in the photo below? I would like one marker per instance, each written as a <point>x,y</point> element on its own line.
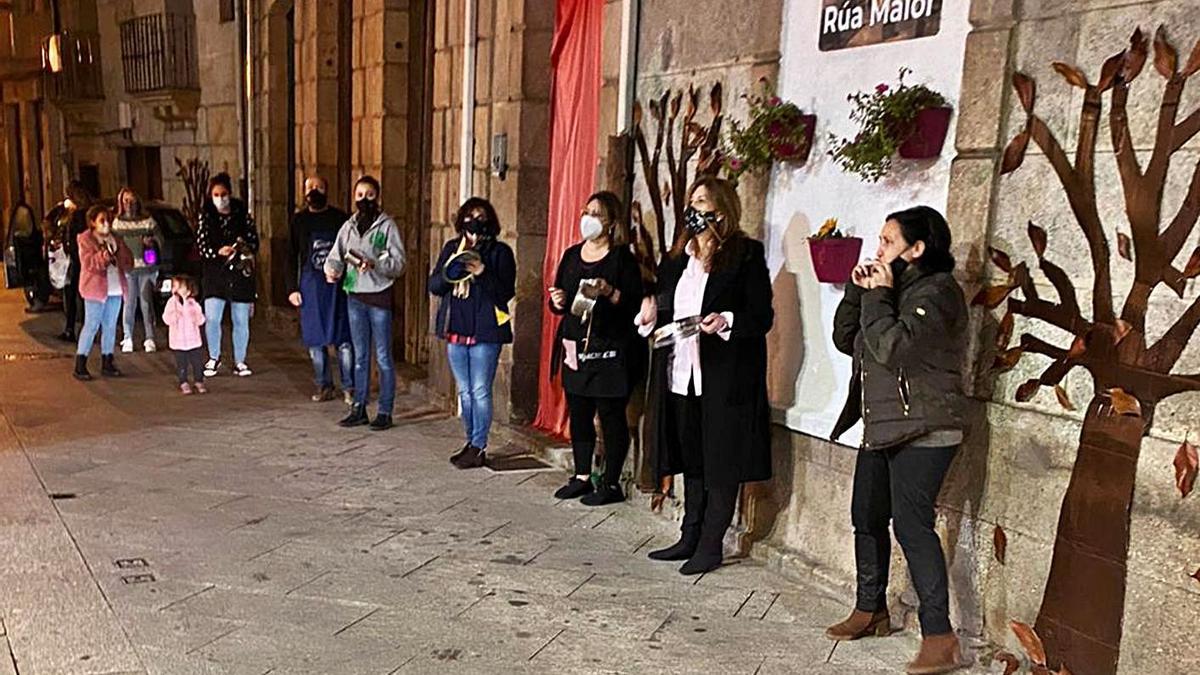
<point>138,578</point>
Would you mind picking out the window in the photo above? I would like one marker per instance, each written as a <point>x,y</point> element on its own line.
<point>227,11</point>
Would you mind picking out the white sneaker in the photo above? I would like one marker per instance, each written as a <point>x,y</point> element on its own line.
<point>242,370</point>
<point>127,346</point>
<point>149,345</point>
<point>210,367</point>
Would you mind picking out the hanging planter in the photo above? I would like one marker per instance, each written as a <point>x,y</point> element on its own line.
<point>928,134</point>
<point>777,131</point>
<point>833,254</point>
<point>909,120</point>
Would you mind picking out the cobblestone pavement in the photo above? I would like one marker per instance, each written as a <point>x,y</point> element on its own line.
<point>242,532</point>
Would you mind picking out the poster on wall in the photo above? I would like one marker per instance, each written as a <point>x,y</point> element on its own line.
<point>857,23</point>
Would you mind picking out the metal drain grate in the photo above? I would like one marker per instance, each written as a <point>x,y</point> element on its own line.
<point>526,462</point>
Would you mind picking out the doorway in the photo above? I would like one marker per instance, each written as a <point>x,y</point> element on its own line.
<point>143,170</point>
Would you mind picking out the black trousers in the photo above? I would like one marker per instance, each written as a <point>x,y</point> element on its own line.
<point>191,357</point>
<point>613,425</point>
<point>901,485</point>
<point>708,501</point>
<point>72,303</point>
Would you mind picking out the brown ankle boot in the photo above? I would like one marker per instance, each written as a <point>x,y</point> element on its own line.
<point>861,624</point>
<point>939,654</point>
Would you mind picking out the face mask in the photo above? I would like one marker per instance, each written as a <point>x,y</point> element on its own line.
<point>67,203</point>
<point>222,203</point>
<point>316,199</point>
<point>899,265</point>
<point>477,228</point>
<point>590,227</point>
<point>103,229</point>
<point>698,221</point>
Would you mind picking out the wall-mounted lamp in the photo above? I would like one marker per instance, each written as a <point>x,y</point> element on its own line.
<point>499,155</point>
<point>52,53</point>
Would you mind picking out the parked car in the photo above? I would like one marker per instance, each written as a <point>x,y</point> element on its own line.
<point>24,250</point>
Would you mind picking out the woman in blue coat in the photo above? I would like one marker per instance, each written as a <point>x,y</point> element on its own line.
<point>475,277</point>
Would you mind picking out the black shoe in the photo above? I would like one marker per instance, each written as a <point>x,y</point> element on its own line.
<point>607,494</point>
<point>81,372</point>
<point>473,459</point>
<point>67,336</point>
<point>682,550</point>
<point>381,422</point>
<point>107,367</point>
<point>356,418</point>
<point>574,488</point>
<point>463,452</point>
<point>701,563</point>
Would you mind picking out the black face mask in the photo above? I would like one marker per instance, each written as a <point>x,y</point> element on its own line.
<point>898,266</point>
<point>477,227</point>
<point>368,211</point>
<point>698,221</point>
<point>316,199</point>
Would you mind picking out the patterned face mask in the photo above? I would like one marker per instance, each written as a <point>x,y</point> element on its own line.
<point>699,221</point>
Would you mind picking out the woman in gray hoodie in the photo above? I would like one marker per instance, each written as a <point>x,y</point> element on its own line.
<point>368,256</point>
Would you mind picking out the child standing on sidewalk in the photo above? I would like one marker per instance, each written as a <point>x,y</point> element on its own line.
<point>184,316</point>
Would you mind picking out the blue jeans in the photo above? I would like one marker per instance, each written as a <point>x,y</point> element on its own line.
<point>140,291</point>
<point>322,376</point>
<point>372,326</point>
<point>474,369</point>
<point>214,312</point>
<point>99,315</point>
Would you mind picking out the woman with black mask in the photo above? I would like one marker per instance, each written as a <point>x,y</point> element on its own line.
<point>475,277</point>
<point>69,220</point>
<point>228,242</point>
<point>597,291</point>
<point>708,408</point>
<point>903,320</point>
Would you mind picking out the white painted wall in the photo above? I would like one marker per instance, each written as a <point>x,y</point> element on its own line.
<point>801,198</point>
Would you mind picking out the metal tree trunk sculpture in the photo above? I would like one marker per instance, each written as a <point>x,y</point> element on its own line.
<point>194,173</point>
<point>1083,603</point>
<point>693,137</point>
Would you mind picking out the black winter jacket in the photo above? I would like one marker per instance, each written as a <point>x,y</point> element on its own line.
<point>908,344</point>
<point>476,315</point>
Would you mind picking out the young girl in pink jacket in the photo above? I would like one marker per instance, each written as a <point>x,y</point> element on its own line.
<point>184,316</point>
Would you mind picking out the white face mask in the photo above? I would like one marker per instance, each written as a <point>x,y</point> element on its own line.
<point>222,203</point>
<point>590,227</point>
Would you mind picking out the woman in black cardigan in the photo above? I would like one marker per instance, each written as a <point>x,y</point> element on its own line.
<point>708,411</point>
<point>473,317</point>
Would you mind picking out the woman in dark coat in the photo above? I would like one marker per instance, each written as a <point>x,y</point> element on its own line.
<point>473,317</point>
<point>708,412</point>
<point>595,344</point>
<point>904,321</point>
<point>228,242</point>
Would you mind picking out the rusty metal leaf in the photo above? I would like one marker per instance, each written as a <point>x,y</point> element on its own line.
<point>1192,269</point>
<point>1078,347</point>
<point>1037,236</point>
<point>1124,404</point>
<point>1000,259</point>
<point>1121,329</point>
<point>637,114</point>
<point>1014,154</point>
<point>1195,575</point>
<point>992,296</point>
<point>676,102</point>
<point>1063,399</point>
<point>666,193</point>
<point>656,110</point>
<point>1187,465</point>
<point>1166,59</point>
<point>1074,76</point>
<point>1027,390</point>
<point>1007,360</point>
<point>1108,72</point>
<point>999,544</point>
<point>1011,663</point>
<point>715,99</point>
<point>1004,334</point>
<point>1030,642</point>
<point>1193,62</point>
<point>1124,246</point>
<point>1026,90</point>
<point>1136,58</point>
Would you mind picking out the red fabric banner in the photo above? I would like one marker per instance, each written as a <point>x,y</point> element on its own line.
<point>575,128</point>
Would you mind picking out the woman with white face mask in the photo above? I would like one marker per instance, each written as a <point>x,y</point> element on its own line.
<point>597,291</point>
<point>228,242</point>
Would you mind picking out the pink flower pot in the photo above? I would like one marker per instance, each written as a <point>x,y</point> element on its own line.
<point>928,135</point>
<point>834,259</point>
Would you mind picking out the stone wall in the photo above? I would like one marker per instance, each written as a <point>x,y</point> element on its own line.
<point>512,97</point>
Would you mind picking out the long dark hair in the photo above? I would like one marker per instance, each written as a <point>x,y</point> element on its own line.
<point>924,223</point>
<point>493,221</point>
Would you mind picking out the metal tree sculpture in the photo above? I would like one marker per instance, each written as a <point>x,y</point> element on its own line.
<point>194,173</point>
<point>693,137</point>
<point>1083,603</point>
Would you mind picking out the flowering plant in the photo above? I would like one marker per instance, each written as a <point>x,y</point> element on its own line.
<point>886,120</point>
<point>829,230</point>
<point>776,131</point>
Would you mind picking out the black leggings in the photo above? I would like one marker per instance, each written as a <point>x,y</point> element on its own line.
<point>613,424</point>
<point>193,358</point>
